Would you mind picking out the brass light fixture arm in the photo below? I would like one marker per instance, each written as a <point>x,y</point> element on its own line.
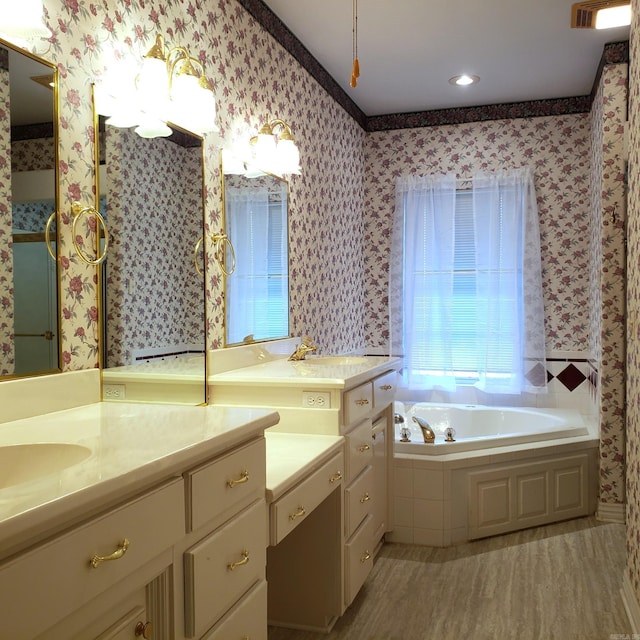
<point>78,212</point>
<point>196,249</point>
<point>221,241</point>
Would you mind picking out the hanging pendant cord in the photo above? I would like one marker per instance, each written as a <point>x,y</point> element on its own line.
<point>355,71</point>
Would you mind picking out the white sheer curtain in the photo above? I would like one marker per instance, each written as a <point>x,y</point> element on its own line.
<point>422,290</point>
<point>510,312</point>
<point>250,290</point>
<point>465,283</point>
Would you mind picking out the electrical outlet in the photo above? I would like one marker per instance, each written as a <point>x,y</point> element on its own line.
<point>113,392</point>
<point>316,399</point>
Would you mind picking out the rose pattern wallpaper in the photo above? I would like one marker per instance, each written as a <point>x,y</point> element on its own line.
<point>633,313</point>
<point>33,154</point>
<point>155,296</point>
<point>7,351</point>
<point>607,274</point>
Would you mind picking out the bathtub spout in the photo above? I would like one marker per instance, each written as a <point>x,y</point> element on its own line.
<point>427,432</point>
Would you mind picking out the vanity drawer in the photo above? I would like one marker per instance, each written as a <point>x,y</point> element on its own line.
<point>384,389</point>
<point>222,567</point>
<point>43,586</point>
<point>358,498</point>
<point>289,510</point>
<point>248,619</point>
<point>358,559</point>
<point>359,447</point>
<point>358,403</point>
<point>222,487</point>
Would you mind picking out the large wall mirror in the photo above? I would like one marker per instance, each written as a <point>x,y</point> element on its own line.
<point>29,308</point>
<point>151,195</point>
<point>257,284</point>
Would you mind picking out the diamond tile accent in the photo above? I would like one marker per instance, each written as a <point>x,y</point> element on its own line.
<point>538,375</point>
<point>571,377</point>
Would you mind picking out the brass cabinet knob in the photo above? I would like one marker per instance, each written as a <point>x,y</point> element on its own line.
<point>144,630</point>
<point>336,477</point>
<point>245,560</point>
<point>244,477</point>
<point>97,560</point>
<point>362,402</point>
<point>363,447</point>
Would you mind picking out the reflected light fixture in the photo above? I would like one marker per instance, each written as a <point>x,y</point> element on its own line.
<point>23,20</point>
<point>274,149</point>
<point>600,14</point>
<point>170,87</point>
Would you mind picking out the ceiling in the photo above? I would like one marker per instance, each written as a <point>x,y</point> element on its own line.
<point>408,49</point>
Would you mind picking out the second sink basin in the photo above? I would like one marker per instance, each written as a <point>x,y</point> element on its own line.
<point>24,462</point>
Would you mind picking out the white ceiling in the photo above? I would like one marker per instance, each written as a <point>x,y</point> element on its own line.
<point>408,49</point>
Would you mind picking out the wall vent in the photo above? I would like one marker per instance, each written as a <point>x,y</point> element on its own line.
<point>583,14</point>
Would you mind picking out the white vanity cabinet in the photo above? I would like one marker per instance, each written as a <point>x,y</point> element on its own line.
<point>160,533</point>
<point>225,555</point>
<point>64,587</point>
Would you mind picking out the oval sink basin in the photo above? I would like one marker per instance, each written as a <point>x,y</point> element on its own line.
<point>336,361</point>
<point>24,462</point>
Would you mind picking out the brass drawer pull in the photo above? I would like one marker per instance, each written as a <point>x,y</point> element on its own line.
<point>244,477</point>
<point>245,560</point>
<point>363,447</point>
<point>365,498</point>
<point>116,555</point>
<point>335,477</point>
<point>365,556</point>
<point>298,514</point>
<point>386,387</point>
<point>143,630</point>
<point>362,402</point>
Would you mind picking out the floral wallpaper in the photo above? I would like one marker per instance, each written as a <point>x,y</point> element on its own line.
<point>33,154</point>
<point>633,313</point>
<point>155,296</point>
<point>32,216</point>
<point>7,352</point>
<point>607,274</point>
<point>556,147</point>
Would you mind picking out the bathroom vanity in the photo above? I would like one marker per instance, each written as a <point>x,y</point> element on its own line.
<point>149,516</point>
<point>349,396</point>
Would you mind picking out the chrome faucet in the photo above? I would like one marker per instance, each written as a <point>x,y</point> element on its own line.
<point>306,346</point>
<point>427,432</point>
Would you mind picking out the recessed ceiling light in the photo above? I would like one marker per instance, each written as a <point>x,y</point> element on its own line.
<point>464,80</point>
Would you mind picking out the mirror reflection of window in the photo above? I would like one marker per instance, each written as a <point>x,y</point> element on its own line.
<point>257,292</point>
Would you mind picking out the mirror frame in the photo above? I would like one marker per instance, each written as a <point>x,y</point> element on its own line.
<point>224,277</point>
<point>56,174</point>
<point>101,286</point>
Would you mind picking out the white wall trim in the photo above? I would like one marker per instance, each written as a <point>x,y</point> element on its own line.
<point>630,602</point>
<point>611,512</point>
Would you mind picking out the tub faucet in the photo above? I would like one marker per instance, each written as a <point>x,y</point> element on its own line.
<point>306,346</point>
<point>427,432</point>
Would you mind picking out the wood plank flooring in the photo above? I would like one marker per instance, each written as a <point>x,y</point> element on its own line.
<point>559,582</point>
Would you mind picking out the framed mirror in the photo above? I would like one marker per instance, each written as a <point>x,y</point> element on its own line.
<point>29,290</point>
<point>153,315</point>
<point>257,284</point>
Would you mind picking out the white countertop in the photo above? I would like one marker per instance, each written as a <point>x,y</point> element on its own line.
<point>132,447</point>
<point>303,373</point>
<point>292,456</point>
<point>185,369</point>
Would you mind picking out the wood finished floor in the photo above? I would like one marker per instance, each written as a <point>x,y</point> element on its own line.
<point>559,582</point>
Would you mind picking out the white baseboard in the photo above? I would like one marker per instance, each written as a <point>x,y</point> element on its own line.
<point>611,512</point>
<point>631,605</point>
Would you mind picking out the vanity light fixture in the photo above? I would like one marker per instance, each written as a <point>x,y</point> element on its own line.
<point>464,80</point>
<point>171,87</point>
<point>274,149</point>
<point>600,14</point>
<point>23,21</point>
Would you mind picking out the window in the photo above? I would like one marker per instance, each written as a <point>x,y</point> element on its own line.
<point>462,276</point>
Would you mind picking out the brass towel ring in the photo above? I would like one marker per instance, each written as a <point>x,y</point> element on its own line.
<point>47,236</point>
<point>78,211</point>
<point>195,256</point>
<point>219,241</point>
